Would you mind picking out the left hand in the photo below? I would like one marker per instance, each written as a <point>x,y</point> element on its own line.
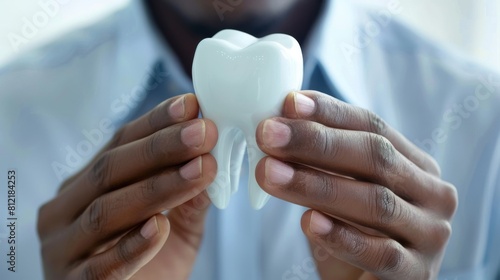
<point>380,207</point>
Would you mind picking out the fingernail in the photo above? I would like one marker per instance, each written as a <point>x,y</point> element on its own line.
<point>150,229</point>
<point>276,134</point>
<point>194,135</point>
<point>304,106</point>
<point>278,173</point>
<point>177,109</point>
<point>192,170</point>
<point>319,224</point>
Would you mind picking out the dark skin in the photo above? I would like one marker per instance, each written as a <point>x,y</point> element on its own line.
<point>96,227</point>
<point>377,204</point>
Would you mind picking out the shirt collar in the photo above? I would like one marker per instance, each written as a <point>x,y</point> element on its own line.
<point>161,50</point>
<point>332,40</point>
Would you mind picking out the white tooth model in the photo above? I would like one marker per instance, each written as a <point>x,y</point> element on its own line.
<point>239,81</point>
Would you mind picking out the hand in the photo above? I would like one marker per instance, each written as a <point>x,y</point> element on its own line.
<point>106,221</point>
<point>380,208</point>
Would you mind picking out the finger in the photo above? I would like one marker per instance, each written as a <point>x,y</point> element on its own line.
<point>171,111</point>
<point>135,161</point>
<point>365,204</point>
<point>116,212</point>
<point>362,155</point>
<point>189,218</point>
<point>187,223</point>
<point>385,258</point>
<point>131,253</point>
<point>331,112</point>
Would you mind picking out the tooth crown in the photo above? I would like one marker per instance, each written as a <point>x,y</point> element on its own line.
<point>239,81</point>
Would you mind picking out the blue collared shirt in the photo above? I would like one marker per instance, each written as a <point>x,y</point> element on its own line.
<point>60,103</point>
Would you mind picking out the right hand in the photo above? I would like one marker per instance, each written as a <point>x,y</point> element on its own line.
<point>106,222</point>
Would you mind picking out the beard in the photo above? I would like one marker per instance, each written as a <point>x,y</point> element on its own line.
<point>209,21</point>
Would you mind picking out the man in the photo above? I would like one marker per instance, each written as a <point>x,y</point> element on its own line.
<point>379,206</point>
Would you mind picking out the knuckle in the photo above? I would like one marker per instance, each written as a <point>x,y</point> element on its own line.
<point>337,110</point>
<point>156,117</point>
<point>99,271</point>
<point>375,123</point>
<point>322,139</point>
<point>441,232</point>
<point>391,258</point>
<point>95,217</point>
<point>125,253</point>
<point>433,166</point>
<point>94,272</point>
<point>324,189</point>
<point>356,246</point>
<point>155,147</point>
<point>99,172</point>
<point>450,199</point>
<point>329,190</point>
<point>342,238</point>
<point>150,188</point>
<point>383,153</point>
<point>336,239</point>
<point>385,209</point>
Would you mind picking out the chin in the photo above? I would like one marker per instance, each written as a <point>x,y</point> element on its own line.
<point>234,12</point>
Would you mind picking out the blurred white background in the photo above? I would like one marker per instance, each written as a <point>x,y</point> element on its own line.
<point>472,26</point>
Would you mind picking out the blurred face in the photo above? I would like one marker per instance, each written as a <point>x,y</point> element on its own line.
<point>184,23</point>
<point>237,14</point>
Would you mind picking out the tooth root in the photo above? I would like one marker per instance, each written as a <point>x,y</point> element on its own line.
<point>258,197</point>
<point>239,81</point>
<point>237,155</point>
<point>220,190</point>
